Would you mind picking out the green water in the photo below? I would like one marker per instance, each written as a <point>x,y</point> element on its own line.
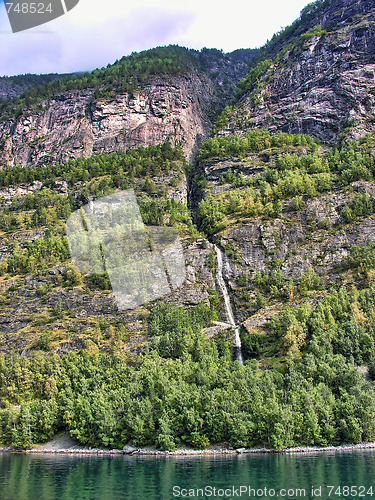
<point>62,477</point>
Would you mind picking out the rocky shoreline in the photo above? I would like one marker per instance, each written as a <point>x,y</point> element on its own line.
<point>129,450</point>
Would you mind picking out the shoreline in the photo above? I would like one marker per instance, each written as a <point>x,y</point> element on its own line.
<point>188,452</point>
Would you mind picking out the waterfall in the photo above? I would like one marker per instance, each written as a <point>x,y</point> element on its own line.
<point>228,306</point>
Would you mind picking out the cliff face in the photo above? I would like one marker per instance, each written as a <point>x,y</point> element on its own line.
<point>179,108</point>
<point>287,241</point>
<point>320,79</point>
<point>75,125</point>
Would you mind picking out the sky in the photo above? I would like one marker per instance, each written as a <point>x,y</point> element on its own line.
<point>95,33</point>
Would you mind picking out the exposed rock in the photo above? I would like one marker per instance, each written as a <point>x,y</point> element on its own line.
<point>214,169</point>
<point>63,442</point>
<point>296,240</point>
<point>179,108</point>
<point>260,319</point>
<point>32,305</point>
<point>211,331</point>
<point>11,192</point>
<point>60,186</point>
<point>322,85</point>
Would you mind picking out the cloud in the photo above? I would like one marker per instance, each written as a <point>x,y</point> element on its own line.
<point>144,28</point>
<point>75,47</point>
<point>97,32</point>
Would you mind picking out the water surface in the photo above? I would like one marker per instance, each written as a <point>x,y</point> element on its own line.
<point>91,477</point>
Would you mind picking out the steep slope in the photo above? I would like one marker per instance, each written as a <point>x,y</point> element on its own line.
<point>45,303</point>
<point>316,77</point>
<point>296,221</point>
<point>293,217</point>
<point>163,94</point>
<point>14,86</point>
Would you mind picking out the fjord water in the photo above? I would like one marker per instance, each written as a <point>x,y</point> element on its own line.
<point>91,477</point>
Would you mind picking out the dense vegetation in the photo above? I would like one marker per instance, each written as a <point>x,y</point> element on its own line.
<point>186,390</point>
<point>302,381</point>
<point>293,166</point>
<point>253,141</point>
<point>96,176</point>
<point>122,167</point>
<point>331,325</point>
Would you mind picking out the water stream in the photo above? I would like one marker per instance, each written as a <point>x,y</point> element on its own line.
<point>228,306</point>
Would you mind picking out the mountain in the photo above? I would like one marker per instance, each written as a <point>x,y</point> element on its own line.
<point>315,77</point>
<point>263,162</point>
<point>285,176</point>
<point>168,93</point>
<point>14,86</point>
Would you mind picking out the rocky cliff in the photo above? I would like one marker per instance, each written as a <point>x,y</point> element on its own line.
<point>317,77</point>
<point>179,108</point>
<point>287,209</point>
<point>74,124</point>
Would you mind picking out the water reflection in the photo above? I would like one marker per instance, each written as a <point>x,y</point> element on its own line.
<point>63,477</point>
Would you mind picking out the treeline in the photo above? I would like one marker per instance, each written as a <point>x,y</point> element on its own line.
<point>125,75</point>
<point>351,161</point>
<point>362,205</point>
<point>257,72</point>
<point>263,198</point>
<point>123,166</point>
<point>41,208</point>
<point>49,209</point>
<point>351,164</point>
<point>253,141</point>
<point>361,261</point>
<point>186,390</point>
<point>260,69</point>
<point>30,79</point>
<point>307,14</point>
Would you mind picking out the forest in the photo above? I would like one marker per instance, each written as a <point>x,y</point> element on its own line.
<point>183,388</point>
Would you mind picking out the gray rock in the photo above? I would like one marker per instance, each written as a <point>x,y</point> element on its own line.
<point>178,108</point>
<point>321,85</point>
